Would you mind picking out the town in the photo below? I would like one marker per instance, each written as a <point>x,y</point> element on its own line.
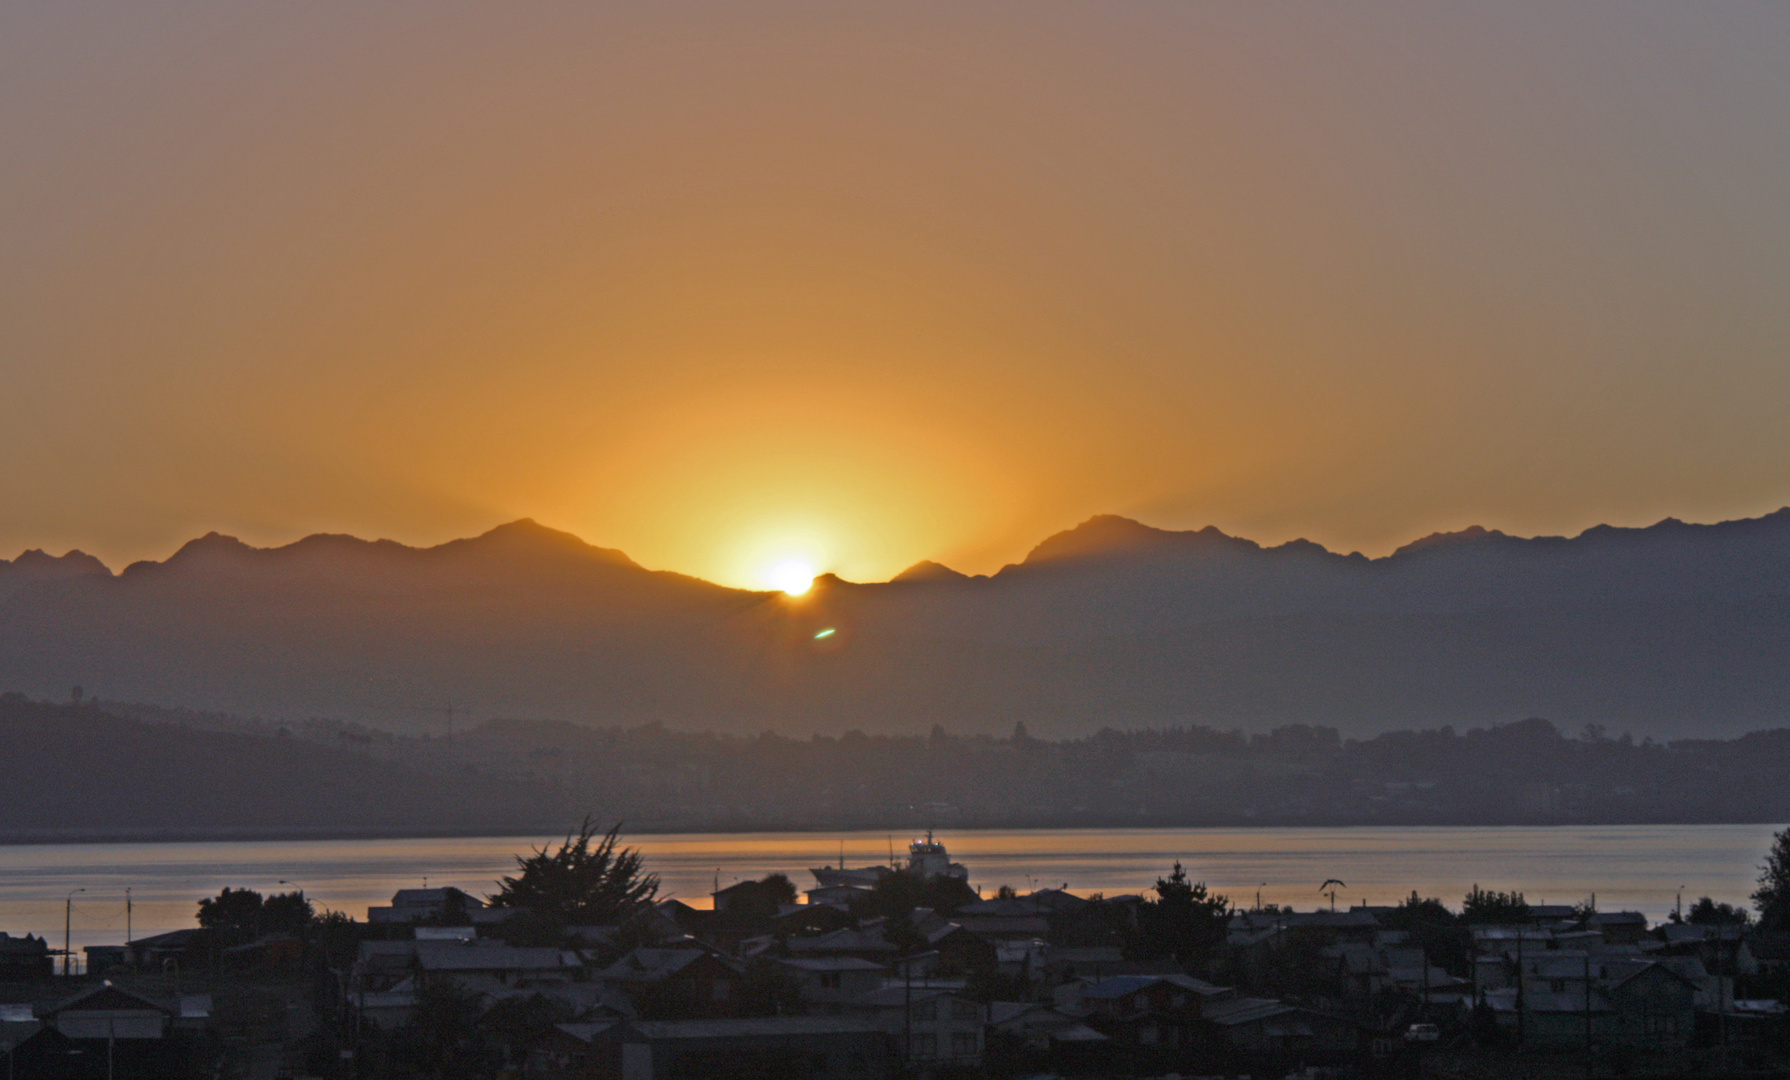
<point>575,968</point>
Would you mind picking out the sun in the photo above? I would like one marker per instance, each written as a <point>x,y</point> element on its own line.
<point>793,576</point>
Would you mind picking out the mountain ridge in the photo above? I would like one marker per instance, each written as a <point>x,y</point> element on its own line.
<point>1671,629</point>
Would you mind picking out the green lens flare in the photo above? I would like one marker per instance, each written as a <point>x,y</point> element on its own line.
<point>827,633</point>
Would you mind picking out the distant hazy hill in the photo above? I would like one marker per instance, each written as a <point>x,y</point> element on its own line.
<point>1669,630</point>
<point>80,773</point>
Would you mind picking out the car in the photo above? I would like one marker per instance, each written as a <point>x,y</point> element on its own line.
<point>1423,1033</point>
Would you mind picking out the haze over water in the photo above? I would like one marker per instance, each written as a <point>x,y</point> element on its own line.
<point>1629,867</point>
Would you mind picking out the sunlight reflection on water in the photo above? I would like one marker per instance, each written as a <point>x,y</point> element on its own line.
<point>1637,867</point>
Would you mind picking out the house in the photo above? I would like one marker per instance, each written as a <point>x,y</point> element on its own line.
<point>388,977</point>
<point>961,949</point>
<point>504,964</point>
<point>425,905</point>
<point>1642,1004</point>
<point>103,1031</point>
<point>571,1050</point>
<point>1618,927</point>
<point>24,959</point>
<point>108,1012</point>
<point>1038,1027</point>
<point>175,949</point>
<point>102,959</point>
<point>269,951</point>
<point>1262,1026</point>
<point>1143,1011</point>
<point>865,942</point>
<point>836,896</point>
<point>681,981</point>
<point>830,981</point>
<point>932,1024</point>
<point>786,1047</point>
<point>1367,969</point>
<point>1021,958</point>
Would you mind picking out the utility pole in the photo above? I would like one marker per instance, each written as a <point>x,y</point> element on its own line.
<point>128,936</point>
<point>1721,994</point>
<point>68,909</point>
<point>1588,1014</point>
<point>907,1011</point>
<point>1521,1004</point>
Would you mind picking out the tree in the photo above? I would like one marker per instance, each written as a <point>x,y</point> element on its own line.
<point>1484,906</point>
<point>233,915</point>
<point>289,912</point>
<point>753,902</point>
<point>1772,898</point>
<point>583,883</point>
<point>897,894</point>
<point>1434,929</point>
<point>1706,912</point>
<point>1186,922</point>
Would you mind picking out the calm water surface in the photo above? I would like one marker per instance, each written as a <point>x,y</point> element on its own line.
<point>1630,867</point>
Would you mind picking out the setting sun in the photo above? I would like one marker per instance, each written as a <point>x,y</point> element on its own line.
<point>793,576</point>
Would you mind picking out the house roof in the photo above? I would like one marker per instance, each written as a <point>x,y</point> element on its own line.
<point>1677,933</point>
<point>899,995</point>
<point>434,897</point>
<point>1118,986</point>
<point>832,963</point>
<point>474,956</point>
<point>1245,1010</point>
<point>760,1026</point>
<point>107,998</point>
<point>1546,1001</point>
<point>999,1012</point>
<point>1647,967</point>
<point>1024,925</point>
<point>651,965</point>
<point>173,939</point>
<point>1008,906</point>
<point>846,940</point>
<point>28,944</point>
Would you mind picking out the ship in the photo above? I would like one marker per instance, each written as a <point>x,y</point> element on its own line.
<point>926,859</point>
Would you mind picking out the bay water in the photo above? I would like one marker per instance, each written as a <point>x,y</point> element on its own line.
<point>1628,867</point>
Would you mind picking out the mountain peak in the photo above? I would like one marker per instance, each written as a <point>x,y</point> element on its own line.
<point>1110,534</point>
<point>530,536</point>
<point>927,570</point>
<point>1472,534</point>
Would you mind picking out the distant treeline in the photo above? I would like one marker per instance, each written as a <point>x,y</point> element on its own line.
<point>116,769</point>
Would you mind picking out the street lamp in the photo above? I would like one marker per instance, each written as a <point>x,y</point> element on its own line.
<point>68,910</point>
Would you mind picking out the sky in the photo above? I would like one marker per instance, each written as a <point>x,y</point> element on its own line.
<point>729,285</point>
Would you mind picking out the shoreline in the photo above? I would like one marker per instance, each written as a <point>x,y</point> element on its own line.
<point>277,834</point>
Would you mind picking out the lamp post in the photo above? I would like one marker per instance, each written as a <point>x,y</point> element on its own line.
<point>68,911</point>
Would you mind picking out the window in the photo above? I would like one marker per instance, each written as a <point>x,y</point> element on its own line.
<point>963,1044</point>
<point>965,1010</point>
<point>721,990</point>
<point>926,1045</point>
<point>924,1010</point>
<point>829,980</point>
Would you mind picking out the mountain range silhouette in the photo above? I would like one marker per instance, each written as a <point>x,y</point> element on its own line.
<point>1674,630</point>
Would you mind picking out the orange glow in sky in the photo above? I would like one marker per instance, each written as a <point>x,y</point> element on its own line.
<point>742,285</point>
